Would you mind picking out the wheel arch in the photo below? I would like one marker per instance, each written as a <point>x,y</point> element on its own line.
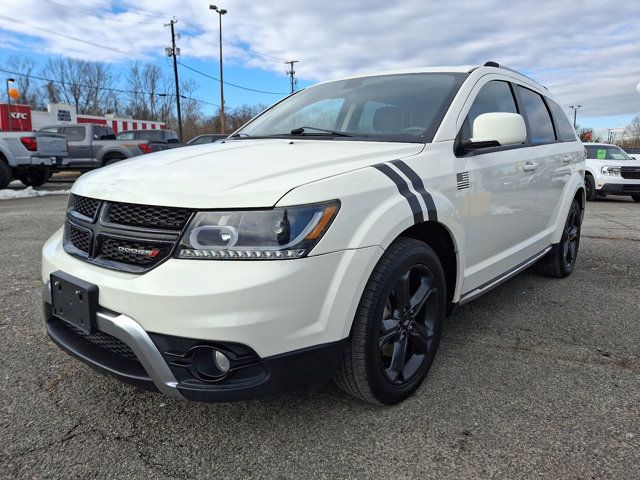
<point>442,241</point>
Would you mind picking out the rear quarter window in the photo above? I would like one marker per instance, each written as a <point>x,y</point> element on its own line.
<point>565,131</point>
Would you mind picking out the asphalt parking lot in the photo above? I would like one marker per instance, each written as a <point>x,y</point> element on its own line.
<point>538,379</point>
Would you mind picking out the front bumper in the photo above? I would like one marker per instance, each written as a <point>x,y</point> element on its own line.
<point>121,348</point>
<point>620,188</point>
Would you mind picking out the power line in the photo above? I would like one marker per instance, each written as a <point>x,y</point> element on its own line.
<point>52,32</point>
<point>229,83</point>
<point>109,89</point>
<point>85,12</point>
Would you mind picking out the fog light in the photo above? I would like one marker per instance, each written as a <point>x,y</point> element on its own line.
<point>221,361</point>
<point>209,364</point>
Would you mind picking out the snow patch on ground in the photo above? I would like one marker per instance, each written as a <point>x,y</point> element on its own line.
<point>28,193</point>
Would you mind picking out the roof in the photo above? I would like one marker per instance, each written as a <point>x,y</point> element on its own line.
<point>489,67</point>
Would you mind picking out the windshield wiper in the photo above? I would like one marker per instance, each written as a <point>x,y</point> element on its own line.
<point>301,131</point>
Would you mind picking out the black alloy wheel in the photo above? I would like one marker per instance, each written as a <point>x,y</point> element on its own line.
<point>571,239</point>
<point>561,260</point>
<point>397,327</point>
<point>407,327</point>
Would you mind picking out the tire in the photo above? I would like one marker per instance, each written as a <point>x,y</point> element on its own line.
<point>636,198</point>
<point>374,365</point>
<point>34,177</point>
<point>561,260</point>
<point>112,160</point>
<point>5,175</point>
<point>590,188</point>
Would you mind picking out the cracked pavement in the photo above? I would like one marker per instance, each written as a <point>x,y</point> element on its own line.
<point>539,378</point>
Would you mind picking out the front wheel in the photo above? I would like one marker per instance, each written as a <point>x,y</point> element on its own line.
<point>397,327</point>
<point>636,198</point>
<point>559,262</point>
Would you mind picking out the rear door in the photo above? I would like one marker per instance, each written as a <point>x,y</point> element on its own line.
<point>559,166</point>
<point>551,160</point>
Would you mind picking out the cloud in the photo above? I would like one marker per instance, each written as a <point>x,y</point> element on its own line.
<point>585,52</point>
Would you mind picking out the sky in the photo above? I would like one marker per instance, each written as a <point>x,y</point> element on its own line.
<point>586,52</point>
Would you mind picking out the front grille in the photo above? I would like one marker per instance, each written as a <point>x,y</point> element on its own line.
<point>81,239</point>
<point>106,341</point>
<point>149,216</point>
<point>143,254</point>
<point>631,173</point>
<point>87,207</point>
<point>122,236</point>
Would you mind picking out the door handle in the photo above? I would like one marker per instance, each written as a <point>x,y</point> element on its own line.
<point>566,159</point>
<point>529,166</point>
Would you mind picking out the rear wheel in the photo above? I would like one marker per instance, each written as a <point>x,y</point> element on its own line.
<point>559,262</point>
<point>397,327</point>
<point>590,187</point>
<point>113,159</point>
<point>636,198</point>
<point>5,175</point>
<point>34,177</point>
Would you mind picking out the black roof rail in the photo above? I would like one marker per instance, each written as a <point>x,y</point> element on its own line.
<point>491,63</point>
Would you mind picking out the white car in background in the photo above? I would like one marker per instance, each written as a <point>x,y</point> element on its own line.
<point>610,170</point>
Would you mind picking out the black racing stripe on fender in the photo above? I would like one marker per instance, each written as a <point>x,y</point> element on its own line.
<point>403,188</point>
<point>416,181</point>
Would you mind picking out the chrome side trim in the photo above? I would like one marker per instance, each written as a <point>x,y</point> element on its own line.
<point>131,333</point>
<point>467,297</point>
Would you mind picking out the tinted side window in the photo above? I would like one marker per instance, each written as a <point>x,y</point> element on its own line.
<point>125,136</point>
<point>495,96</point>
<point>566,133</point>
<point>74,134</point>
<point>541,128</point>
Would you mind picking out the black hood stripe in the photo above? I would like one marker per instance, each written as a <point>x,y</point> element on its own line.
<point>418,186</point>
<point>403,188</point>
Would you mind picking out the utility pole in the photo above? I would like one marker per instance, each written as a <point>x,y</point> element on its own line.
<point>291,74</point>
<point>173,52</point>
<point>9,80</point>
<point>223,120</point>
<point>575,114</point>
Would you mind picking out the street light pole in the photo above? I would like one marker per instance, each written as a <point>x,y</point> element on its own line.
<point>221,12</point>
<point>9,80</point>
<point>575,114</point>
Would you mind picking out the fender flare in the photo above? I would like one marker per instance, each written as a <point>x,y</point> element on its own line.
<point>110,150</point>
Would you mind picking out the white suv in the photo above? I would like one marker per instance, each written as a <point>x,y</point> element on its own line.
<point>327,238</point>
<point>609,170</point>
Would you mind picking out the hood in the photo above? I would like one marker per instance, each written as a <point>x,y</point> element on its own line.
<point>234,174</point>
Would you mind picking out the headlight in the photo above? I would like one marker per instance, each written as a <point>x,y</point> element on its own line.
<point>610,170</point>
<point>283,232</point>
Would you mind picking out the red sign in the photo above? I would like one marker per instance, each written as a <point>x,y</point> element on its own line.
<point>20,118</point>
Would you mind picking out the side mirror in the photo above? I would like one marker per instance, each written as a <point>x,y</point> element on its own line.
<point>496,129</point>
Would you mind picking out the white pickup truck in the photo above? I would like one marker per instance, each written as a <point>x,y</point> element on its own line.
<point>29,156</point>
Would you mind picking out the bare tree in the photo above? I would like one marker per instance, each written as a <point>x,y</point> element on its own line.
<point>631,134</point>
<point>24,67</point>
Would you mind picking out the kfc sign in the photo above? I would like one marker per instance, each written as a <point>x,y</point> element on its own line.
<point>19,115</point>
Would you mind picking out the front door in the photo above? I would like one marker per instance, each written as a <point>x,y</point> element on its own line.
<point>502,184</point>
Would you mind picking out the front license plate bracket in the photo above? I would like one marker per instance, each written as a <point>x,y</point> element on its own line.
<point>74,301</point>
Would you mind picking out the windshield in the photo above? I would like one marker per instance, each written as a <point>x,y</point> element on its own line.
<point>606,152</point>
<point>400,108</point>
